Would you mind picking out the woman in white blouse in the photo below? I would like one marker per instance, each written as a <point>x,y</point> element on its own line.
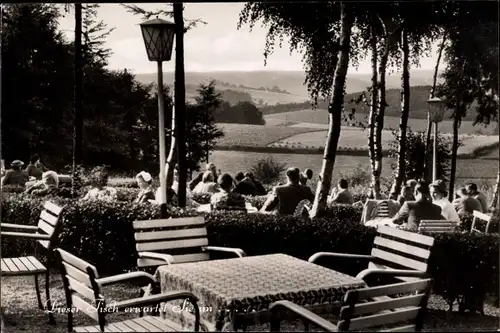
<point>439,197</point>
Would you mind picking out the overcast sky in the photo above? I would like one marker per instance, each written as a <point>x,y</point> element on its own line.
<point>216,46</point>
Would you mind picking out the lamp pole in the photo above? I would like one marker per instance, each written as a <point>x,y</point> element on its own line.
<point>158,38</point>
<point>435,152</point>
<point>436,114</point>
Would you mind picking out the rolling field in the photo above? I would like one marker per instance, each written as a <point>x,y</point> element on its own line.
<point>321,117</point>
<point>235,161</point>
<point>357,139</point>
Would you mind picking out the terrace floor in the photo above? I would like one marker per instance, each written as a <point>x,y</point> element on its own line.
<point>21,314</point>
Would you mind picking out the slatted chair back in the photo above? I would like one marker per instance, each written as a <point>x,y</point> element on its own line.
<point>301,206</point>
<point>383,209</point>
<point>48,224</point>
<point>400,249</point>
<point>403,312</point>
<point>183,238</point>
<point>82,291</point>
<point>478,216</point>
<point>437,226</point>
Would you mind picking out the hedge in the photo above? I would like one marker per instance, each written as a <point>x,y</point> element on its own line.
<point>463,265</point>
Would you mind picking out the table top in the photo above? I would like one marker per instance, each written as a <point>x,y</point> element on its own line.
<point>259,280</point>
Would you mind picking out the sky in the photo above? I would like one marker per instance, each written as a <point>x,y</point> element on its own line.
<point>216,46</point>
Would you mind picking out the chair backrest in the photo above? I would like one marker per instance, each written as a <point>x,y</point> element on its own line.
<point>183,238</point>
<point>49,223</point>
<point>363,308</point>
<point>383,209</point>
<point>483,217</point>
<point>80,286</point>
<point>400,249</point>
<point>437,226</point>
<point>301,206</point>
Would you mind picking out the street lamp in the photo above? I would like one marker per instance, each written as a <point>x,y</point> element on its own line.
<point>436,115</point>
<point>158,38</point>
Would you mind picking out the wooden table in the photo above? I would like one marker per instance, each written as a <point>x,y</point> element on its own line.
<point>237,292</point>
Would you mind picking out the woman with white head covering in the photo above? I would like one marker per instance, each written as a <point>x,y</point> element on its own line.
<point>144,181</point>
<point>48,185</point>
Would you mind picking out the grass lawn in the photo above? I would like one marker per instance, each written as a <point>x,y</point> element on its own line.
<point>321,117</point>
<point>21,313</point>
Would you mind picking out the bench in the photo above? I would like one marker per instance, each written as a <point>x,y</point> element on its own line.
<point>437,226</point>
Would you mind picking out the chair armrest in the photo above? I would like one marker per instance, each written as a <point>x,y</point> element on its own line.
<point>301,312</point>
<point>391,272</point>
<point>161,256</point>
<point>125,277</point>
<point>156,299</point>
<point>239,252</point>
<point>18,226</point>
<point>25,235</point>
<point>318,255</point>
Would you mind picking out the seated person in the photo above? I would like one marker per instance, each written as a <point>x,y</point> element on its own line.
<point>260,190</point>
<point>144,181</point>
<point>49,185</point>
<point>198,179</point>
<point>412,212</point>
<point>175,188</point>
<point>225,199</point>
<point>35,168</point>
<point>439,195</point>
<point>15,176</point>
<point>306,176</point>
<point>406,194</point>
<point>341,195</point>
<point>284,199</point>
<point>207,184</point>
<point>474,192</point>
<point>244,185</point>
<point>466,204</point>
<point>99,189</point>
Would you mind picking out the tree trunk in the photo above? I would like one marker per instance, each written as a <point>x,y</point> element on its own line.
<point>454,147</point>
<point>494,200</point>
<point>78,98</point>
<point>405,112</point>
<point>429,123</point>
<point>171,158</point>
<point>375,178</point>
<point>180,101</point>
<point>335,113</point>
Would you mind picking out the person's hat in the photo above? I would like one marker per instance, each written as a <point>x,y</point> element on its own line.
<point>17,163</point>
<point>440,185</point>
<point>146,176</point>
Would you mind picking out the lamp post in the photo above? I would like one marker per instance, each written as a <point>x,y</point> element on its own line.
<point>436,114</point>
<point>158,38</point>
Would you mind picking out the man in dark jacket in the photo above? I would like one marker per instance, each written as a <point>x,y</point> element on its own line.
<point>284,199</point>
<point>244,185</point>
<point>412,212</point>
<point>258,185</point>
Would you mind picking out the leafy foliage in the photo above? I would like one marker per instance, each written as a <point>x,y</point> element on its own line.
<point>415,154</point>
<point>267,170</point>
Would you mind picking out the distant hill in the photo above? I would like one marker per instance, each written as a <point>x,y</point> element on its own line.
<point>290,83</point>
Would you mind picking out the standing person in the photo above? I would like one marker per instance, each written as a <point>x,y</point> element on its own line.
<point>465,204</point>
<point>35,168</point>
<point>439,195</point>
<point>342,195</point>
<point>412,212</point>
<point>284,199</point>
<point>474,192</point>
<point>15,176</point>
<point>244,185</point>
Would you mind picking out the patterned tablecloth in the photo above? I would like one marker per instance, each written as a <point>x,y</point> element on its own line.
<point>250,284</point>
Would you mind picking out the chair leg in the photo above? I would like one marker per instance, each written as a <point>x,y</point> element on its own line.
<point>38,297</point>
<point>52,320</point>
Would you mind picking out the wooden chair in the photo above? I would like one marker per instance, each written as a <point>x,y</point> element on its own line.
<point>437,226</point>
<point>361,312</point>
<point>82,287</point>
<point>180,240</point>
<point>301,206</point>
<point>398,253</point>
<point>483,217</point>
<point>46,234</point>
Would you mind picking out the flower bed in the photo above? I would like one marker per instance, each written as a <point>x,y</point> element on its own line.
<point>463,265</point>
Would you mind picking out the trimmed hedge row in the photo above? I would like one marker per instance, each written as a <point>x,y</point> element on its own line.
<point>464,266</point>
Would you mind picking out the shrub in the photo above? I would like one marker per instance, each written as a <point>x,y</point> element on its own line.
<point>267,170</point>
